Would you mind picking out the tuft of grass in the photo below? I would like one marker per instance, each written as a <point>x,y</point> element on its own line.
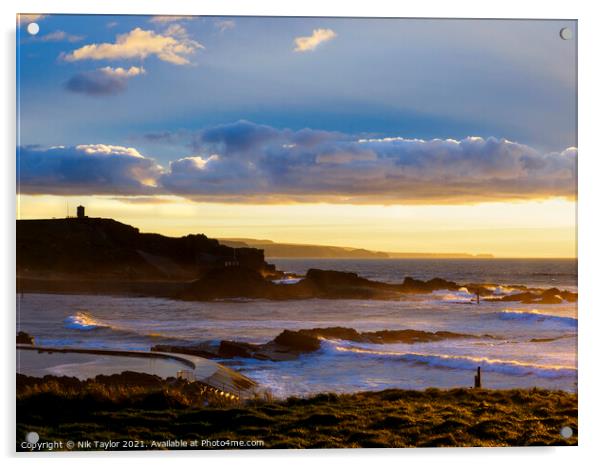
<point>67,410</point>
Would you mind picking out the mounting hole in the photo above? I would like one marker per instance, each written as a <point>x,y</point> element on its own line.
<point>566,34</point>
<point>33,28</point>
<point>566,432</point>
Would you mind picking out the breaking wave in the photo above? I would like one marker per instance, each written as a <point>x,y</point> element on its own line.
<point>501,290</point>
<point>460,296</point>
<point>536,316</point>
<point>446,361</point>
<point>83,321</point>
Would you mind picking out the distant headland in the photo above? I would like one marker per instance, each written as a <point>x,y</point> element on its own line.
<point>276,250</point>
<point>99,255</point>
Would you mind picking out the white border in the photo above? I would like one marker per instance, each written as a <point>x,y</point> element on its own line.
<point>590,233</point>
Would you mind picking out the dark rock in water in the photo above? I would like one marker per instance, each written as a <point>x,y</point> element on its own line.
<point>341,333</point>
<point>239,282</point>
<point>568,296</point>
<point>549,296</point>
<point>297,341</point>
<point>333,278</point>
<point>555,296</point>
<point>441,284</point>
<point>308,340</point>
<point>204,350</point>
<point>381,336</point>
<point>550,299</point>
<point>289,344</point>
<point>24,338</point>
<point>332,284</point>
<point>229,282</point>
<point>526,297</point>
<point>412,285</point>
<point>234,349</point>
<point>411,336</point>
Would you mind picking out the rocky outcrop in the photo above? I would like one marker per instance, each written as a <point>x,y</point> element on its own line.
<point>229,282</point>
<point>241,282</point>
<point>234,349</point>
<point>290,344</point>
<point>102,248</point>
<point>411,285</point>
<point>24,338</point>
<point>381,336</point>
<point>549,296</point>
<point>298,341</point>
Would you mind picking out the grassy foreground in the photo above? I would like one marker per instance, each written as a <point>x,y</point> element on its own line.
<point>62,409</point>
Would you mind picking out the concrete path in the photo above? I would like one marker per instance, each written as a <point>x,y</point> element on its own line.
<point>220,378</point>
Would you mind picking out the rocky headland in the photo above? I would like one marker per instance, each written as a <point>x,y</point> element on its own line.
<point>290,344</point>
<point>102,256</point>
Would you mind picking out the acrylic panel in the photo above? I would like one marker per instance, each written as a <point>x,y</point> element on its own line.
<point>295,232</point>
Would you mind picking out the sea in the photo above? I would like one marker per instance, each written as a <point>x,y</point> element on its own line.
<point>516,345</point>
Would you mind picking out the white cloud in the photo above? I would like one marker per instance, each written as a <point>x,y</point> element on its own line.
<point>59,36</point>
<point>174,46</point>
<point>107,149</point>
<point>245,162</point>
<point>309,43</point>
<point>123,72</point>
<point>224,24</point>
<point>259,162</point>
<point>161,19</point>
<point>25,18</point>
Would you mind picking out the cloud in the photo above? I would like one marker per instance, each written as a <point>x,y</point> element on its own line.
<point>103,81</point>
<point>58,36</point>
<point>161,19</point>
<point>309,43</point>
<point>248,162</point>
<point>24,18</point>
<point>164,137</point>
<point>224,24</point>
<point>85,169</point>
<point>145,200</point>
<point>173,46</point>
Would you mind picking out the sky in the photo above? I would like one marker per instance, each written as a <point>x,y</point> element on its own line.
<point>406,135</point>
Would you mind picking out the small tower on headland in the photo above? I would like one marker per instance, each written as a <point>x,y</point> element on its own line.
<point>81,211</point>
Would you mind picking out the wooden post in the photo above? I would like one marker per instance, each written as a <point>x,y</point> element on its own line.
<point>477,378</point>
<point>478,296</point>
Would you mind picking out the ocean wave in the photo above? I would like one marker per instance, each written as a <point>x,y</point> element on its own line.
<point>536,316</point>
<point>106,334</point>
<point>83,321</point>
<point>460,296</point>
<point>287,281</point>
<point>447,361</point>
<point>501,290</point>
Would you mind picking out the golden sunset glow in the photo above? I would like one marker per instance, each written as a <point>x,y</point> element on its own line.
<point>504,229</point>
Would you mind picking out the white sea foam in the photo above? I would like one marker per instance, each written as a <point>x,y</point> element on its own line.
<point>460,296</point>
<point>448,361</point>
<point>83,321</point>
<point>536,316</point>
<point>287,281</point>
<point>501,290</point>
